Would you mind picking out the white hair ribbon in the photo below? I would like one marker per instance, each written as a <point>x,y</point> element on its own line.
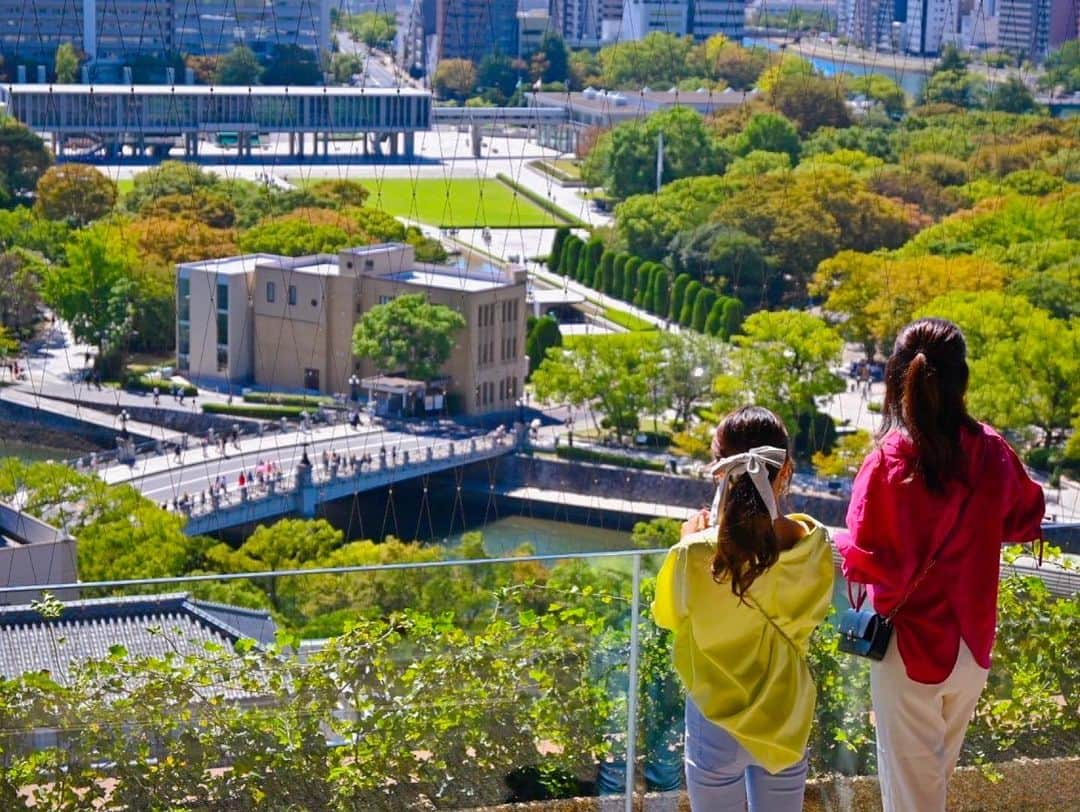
<point>754,462</point>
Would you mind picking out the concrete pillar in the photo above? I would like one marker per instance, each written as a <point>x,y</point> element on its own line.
<point>326,144</point>
<point>393,144</point>
<point>300,145</point>
<point>305,492</point>
<point>474,134</point>
<point>365,138</point>
<point>410,145</point>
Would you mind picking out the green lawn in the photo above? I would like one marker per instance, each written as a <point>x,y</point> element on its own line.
<point>124,185</point>
<point>456,203</point>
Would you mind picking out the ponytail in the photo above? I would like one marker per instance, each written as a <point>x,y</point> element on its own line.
<point>925,382</point>
<point>751,449</point>
<point>746,543</point>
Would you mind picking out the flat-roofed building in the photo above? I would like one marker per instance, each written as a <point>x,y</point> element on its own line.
<point>299,313</point>
<point>600,108</point>
<point>33,553</point>
<point>214,328</point>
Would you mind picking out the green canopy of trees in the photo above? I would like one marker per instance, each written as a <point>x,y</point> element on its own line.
<point>408,334</point>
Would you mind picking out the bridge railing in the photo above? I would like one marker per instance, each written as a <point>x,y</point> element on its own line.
<point>272,482</point>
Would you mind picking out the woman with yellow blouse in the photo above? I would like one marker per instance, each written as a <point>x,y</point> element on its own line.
<point>742,591</point>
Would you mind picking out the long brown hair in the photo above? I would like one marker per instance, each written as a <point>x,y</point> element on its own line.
<point>746,543</point>
<point>925,382</point>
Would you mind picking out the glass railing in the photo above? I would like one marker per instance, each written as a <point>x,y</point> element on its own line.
<point>393,684</point>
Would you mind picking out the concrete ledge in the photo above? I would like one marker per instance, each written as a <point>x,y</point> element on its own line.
<point>1026,785</point>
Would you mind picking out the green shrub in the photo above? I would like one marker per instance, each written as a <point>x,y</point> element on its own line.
<point>308,402</point>
<point>142,383</point>
<point>251,410</point>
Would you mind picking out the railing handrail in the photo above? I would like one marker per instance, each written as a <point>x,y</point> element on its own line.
<point>355,568</point>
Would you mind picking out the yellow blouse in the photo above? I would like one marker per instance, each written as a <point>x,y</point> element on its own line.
<point>744,665</point>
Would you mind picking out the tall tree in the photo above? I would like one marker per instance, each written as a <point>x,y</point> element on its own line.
<point>555,66</point>
<point>689,149</point>
<point>561,233</point>
<point>689,364</point>
<point>20,290</point>
<point>408,334</point>
<point>239,66</point>
<point>454,79</point>
<point>1025,364</point>
<point>613,374</point>
<point>784,361</point>
<point>94,290</point>
<point>292,65</point>
<point>678,291</point>
<point>543,335</point>
<point>23,160</point>
<point>66,64</point>
<point>75,193</point>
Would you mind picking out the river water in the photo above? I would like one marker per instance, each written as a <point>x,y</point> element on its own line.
<point>33,452</point>
<point>911,81</point>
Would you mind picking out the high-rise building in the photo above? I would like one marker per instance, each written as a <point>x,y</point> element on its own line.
<point>643,17</point>
<point>1064,21</point>
<point>417,45</point>
<point>867,23</point>
<point>586,23</point>
<point>473,29</point>
<point>930,23</point>
<point>709,17</point>
<point>1024,27</point>
<point>118,31</point>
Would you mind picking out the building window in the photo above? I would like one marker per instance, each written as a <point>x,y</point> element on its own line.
<point>271,291</point>
<point>384,299</point>
<point>292,294</point>
<point>222,359</point>
<point>222,328</point>
<point>182,362</point>
<point>183,310</point>
<point>183,341</point>
<point>223,296</point>
<point>369,264</point>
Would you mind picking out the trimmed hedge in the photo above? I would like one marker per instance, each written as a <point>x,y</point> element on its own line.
<point>576,454</point>
<point>303,401</point>
<point>140,383</point>
<point>542,201</point>
<point>252,410</point>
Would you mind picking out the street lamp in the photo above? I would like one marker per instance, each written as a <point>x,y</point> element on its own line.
<point>354,386</point>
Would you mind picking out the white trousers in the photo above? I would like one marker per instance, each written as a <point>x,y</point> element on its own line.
<point>920,729</point>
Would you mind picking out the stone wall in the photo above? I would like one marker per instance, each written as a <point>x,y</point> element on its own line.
<point>646,486</point>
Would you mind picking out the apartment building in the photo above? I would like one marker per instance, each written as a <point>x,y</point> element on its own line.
<point>118,31</point>
<point>930,24</point>
<point>291,326</point>
<point>1024,27</point>
<point>710,17</point>
<point>474,29</point>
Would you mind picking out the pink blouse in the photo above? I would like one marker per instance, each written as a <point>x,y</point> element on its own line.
<point>895,523</point>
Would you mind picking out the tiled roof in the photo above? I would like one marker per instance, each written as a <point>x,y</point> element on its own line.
<point>146,625</point>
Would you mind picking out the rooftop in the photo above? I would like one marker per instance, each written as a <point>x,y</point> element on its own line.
<point>145,625</point>
<point>632,102</point>
<point>449,279</point>
<point>210,90</point>
<point>230,265</point>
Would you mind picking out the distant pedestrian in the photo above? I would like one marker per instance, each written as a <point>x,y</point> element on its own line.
<point>157,396</point>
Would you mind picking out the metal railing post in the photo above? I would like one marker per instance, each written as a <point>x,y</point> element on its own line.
<point>632,685</point>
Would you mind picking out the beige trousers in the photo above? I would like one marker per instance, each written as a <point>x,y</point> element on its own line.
<point>920,729</point>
